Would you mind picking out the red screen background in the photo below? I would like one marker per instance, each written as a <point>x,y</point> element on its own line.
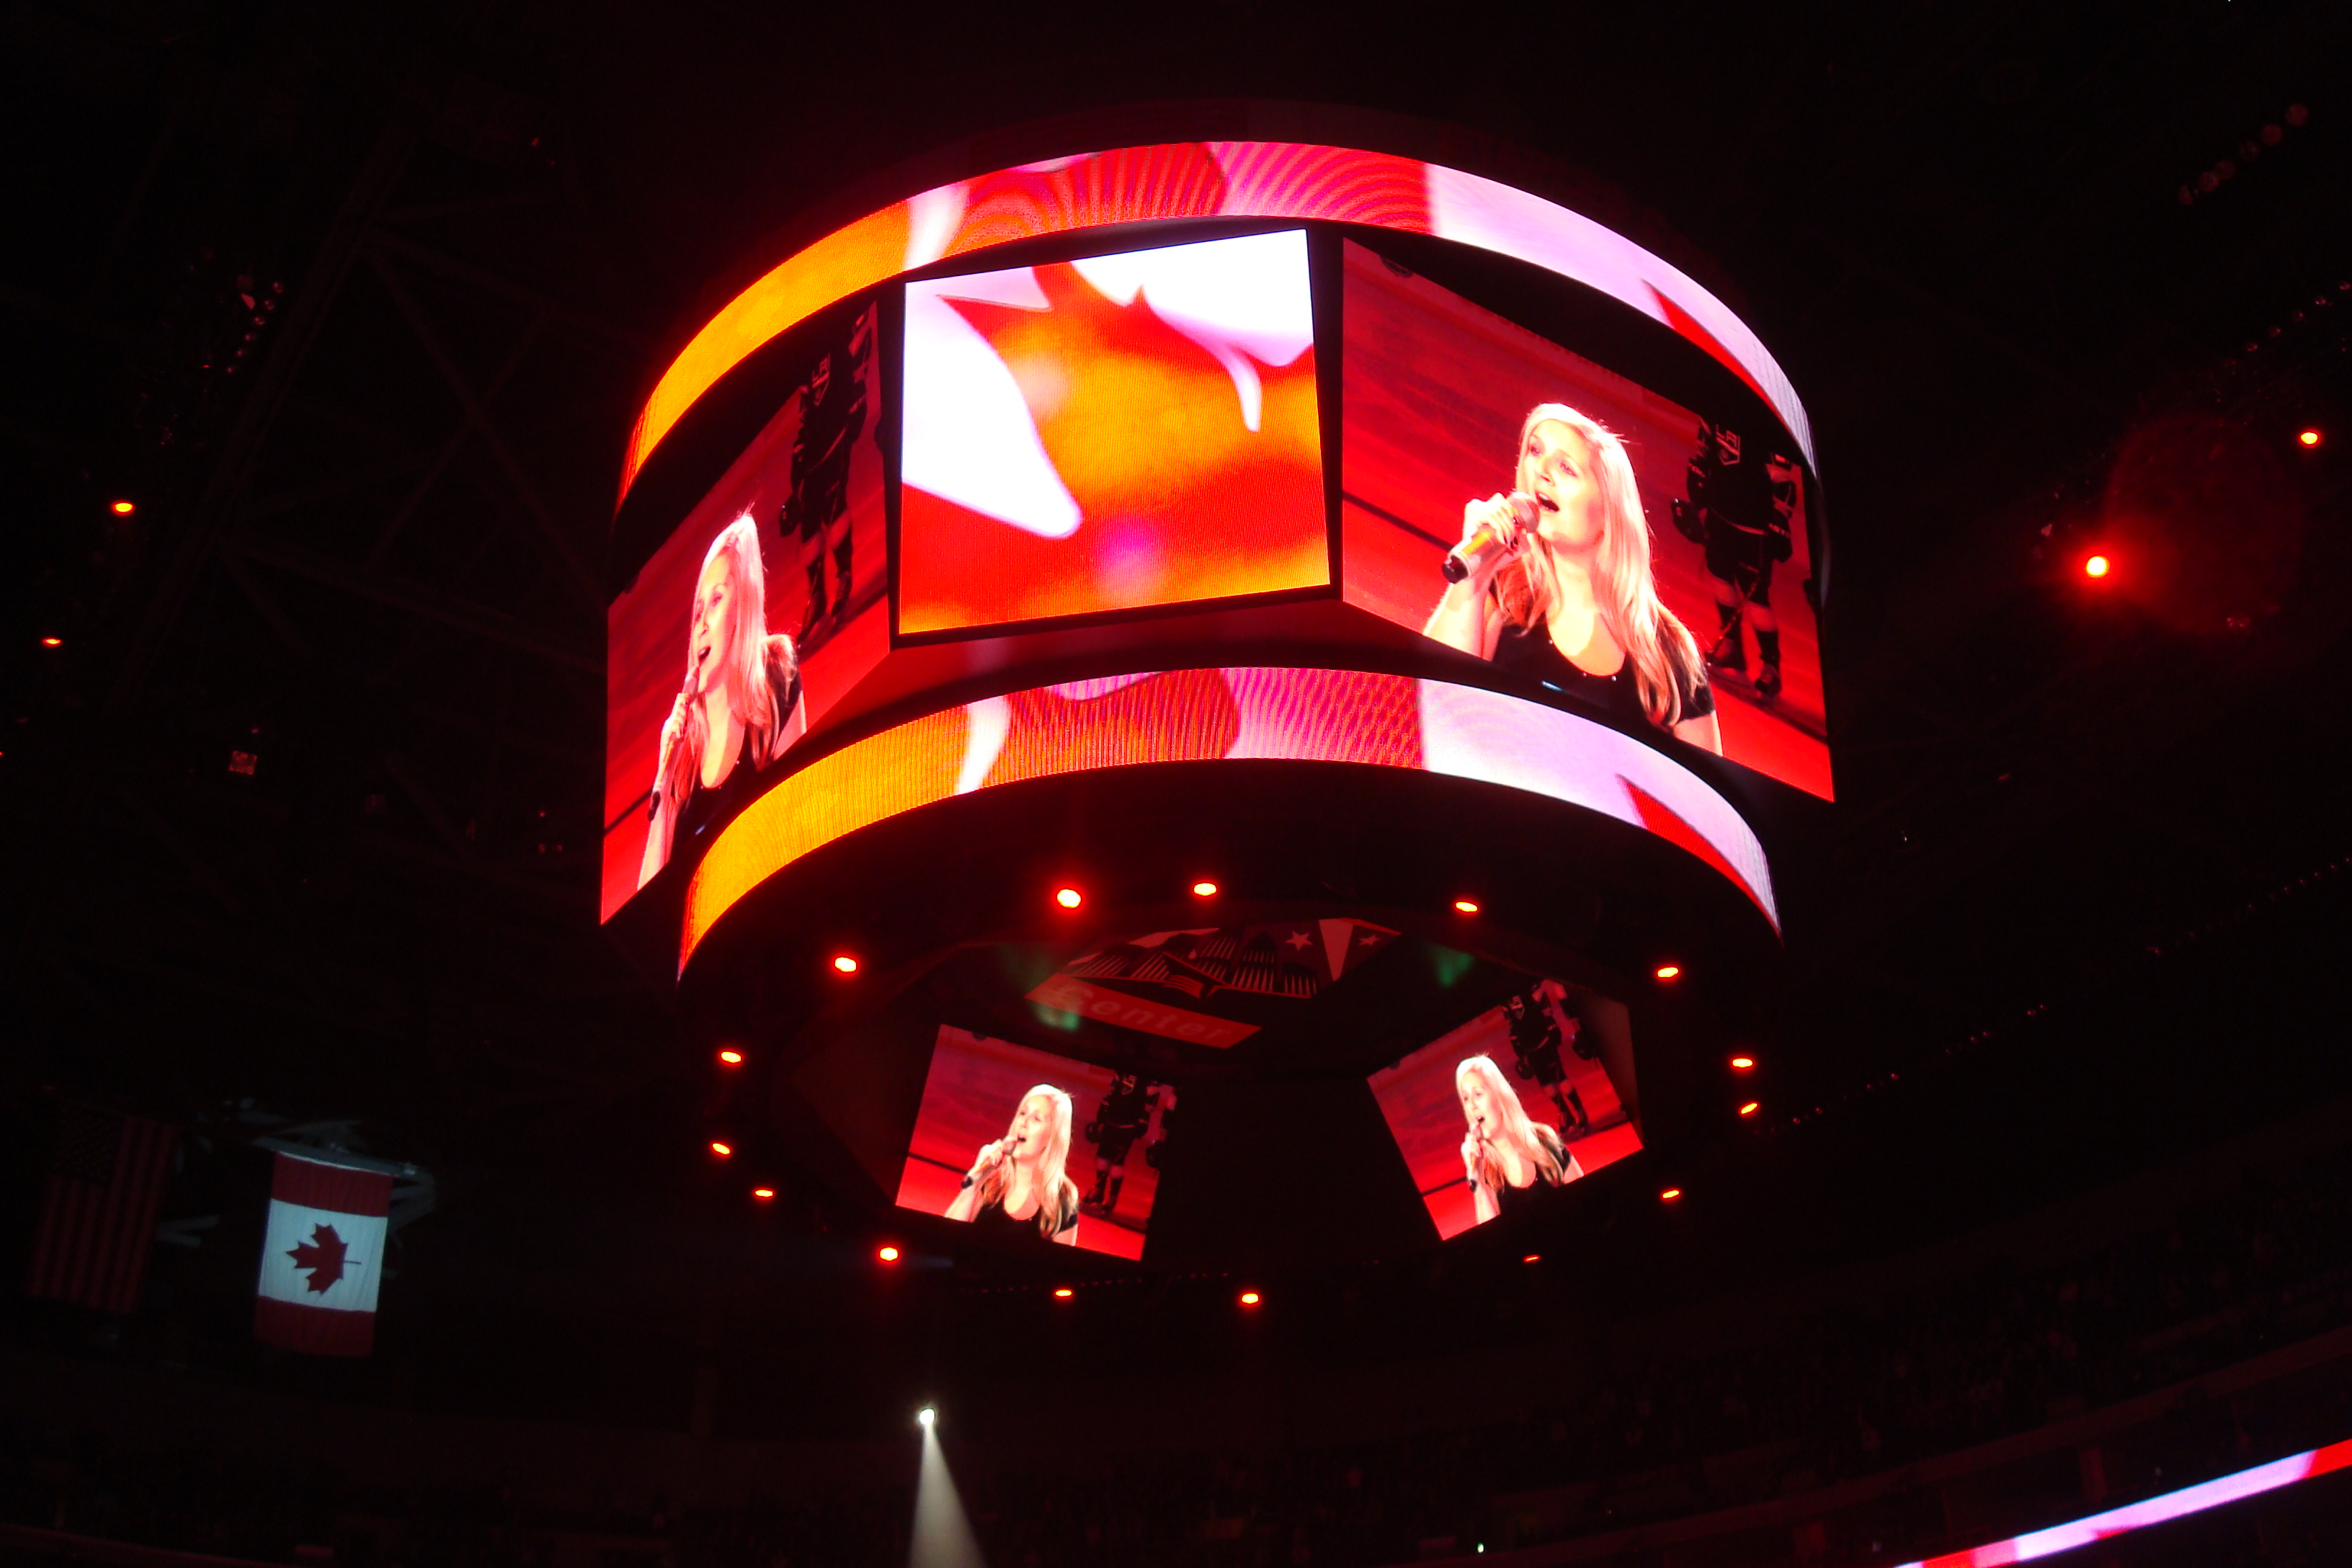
<point>1434,389</point>
<point>1424,1111</point>
<point>975,1086</point>
<point>647,626</point>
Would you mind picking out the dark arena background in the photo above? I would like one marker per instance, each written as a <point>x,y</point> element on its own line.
<point>1267,788</point>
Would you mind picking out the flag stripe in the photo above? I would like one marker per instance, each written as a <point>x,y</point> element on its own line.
<point>315,1185</point>
<point>315,1330</point>
<point>92,1239</point>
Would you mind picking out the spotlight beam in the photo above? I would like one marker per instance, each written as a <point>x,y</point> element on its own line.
<point>943,1536</point>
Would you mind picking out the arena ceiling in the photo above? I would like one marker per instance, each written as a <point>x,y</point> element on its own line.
<point>357,310</point>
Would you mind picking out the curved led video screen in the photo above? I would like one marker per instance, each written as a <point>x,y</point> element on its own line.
<point>1440,394</point>
<point>1211,715</point>
<point>1257,429</point>
<point>1206,180</point>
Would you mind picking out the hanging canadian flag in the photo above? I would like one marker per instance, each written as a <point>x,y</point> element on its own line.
<point>323,1258</point>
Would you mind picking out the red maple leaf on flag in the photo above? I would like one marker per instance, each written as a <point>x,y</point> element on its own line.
<point>322,1255</point>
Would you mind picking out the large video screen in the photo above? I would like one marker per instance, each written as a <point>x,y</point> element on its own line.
<point>1242,713</point>
<point>750,622</point>
<point>1110,434</point>
<point>1035,1149</point>
<point>1512,1106</point>
<point>1644,558</point>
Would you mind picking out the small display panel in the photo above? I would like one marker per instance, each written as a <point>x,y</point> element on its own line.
<point>1110,433</point>
<point>1512,1105</point>
<point>750,621</point>
<point>1214,986</point>
<point>1037,1149</point>
<point>1646,559</point>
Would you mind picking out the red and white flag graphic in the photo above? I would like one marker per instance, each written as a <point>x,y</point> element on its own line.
<point>322,1257</point>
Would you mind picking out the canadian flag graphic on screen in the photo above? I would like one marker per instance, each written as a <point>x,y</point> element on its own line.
<point>322,1257</point>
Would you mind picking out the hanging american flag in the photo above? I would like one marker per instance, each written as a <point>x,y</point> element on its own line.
<point>105,1184</point>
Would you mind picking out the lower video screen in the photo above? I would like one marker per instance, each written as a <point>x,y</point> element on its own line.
<point>1515,1104</point>
<point>1034,1149</point>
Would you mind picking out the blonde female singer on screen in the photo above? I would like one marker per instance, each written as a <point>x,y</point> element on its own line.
<point>739,709</point>
<point>1555,583</point>
<point>1015,1187</point>
<point>1506,1153</point>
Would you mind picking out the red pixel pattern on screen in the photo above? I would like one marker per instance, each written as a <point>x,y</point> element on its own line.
<point>974,1088</point>
<point>1419,1099</point>
<point>1435,389</point>
<point>844,555</point>
<point>1110,433</point>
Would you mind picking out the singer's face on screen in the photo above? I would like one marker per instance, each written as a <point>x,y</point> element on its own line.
<point>1557,468</point>
<point>1032,1129</point>
<point>1477,1110</point>
<point>713,627</point>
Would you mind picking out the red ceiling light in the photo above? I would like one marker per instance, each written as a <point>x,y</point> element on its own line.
<point>1062,1292</point>
<point>1204,889</point>
<point>1669,970</point>
<point>1670,1195</point>
<point>1741,1064</point>
<point>1068,898</point>
<point>721,1149</point>
<point>124,508</point>
<point>1467,906</point>
<point>1532,1257</point>
<point>53,642</point>
<point>731,1058</point>
<point>2308,438</point>
<point>763,1194</point>
<point>2097,566</point>
<point>1250,1297</point>
<point>886,1253</point>
<point>1749,1108</point>
<point>844,964</point>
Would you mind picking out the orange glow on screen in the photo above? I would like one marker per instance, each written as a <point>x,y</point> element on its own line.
<point>845,965</point>
<point>53,642</point>
<point>2097,566</point>
<point>1062,1292</point>
<point>1228,179</point>
<point>1749,1108</point>
<point>1670,1195</point>
<point>2309,438</point>
<point>721,1149</point>
<point>887,1254</point>
<point>1532,1257</point>
<point>1669,970</point>
<point>124,508</point>
<point>1210,715</point>
<point>1204,889</point>
<point>1741,1064</point>
<point>1250,1297</point>
<point>732,1058</point>
<point>763,1194</point>
<point>1069,898</point>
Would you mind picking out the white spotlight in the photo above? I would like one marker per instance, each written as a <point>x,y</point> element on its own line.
<point>926,1416</point>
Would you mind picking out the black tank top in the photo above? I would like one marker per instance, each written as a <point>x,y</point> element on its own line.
<point>1529,651</point>
<point>993,1221</point>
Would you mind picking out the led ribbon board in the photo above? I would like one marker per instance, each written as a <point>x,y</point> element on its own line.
<point>1211,715</point>
<point>1206,180</point>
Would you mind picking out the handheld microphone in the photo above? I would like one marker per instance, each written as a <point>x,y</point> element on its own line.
<point>1471,553</point>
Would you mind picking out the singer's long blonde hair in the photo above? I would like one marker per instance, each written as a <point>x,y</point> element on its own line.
<point>1536,1144</point>
<point>1664,657</point>
<point>1060,1198</point>
<point>745,664</point>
